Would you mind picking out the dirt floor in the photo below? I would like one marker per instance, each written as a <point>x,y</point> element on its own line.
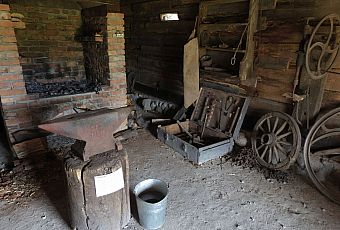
<point>222,194</point>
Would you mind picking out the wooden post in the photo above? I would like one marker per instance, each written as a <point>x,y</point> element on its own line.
<point>246,66</point>
<point>312,103</point>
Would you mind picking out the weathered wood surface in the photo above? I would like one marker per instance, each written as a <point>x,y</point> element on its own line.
<point>278,46</point>
<point>191,73</point>
<point>246,65</point>
<point>154,49</point>
<point>88,211</point>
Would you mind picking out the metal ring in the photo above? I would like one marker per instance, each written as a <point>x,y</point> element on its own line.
<point>233,60</point>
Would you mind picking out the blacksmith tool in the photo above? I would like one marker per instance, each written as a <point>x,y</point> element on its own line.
<point>211,112</point>
<point>184,129</point>
<point>93,130</point>
<point>204,125</point>
<point>205,108</point>
<point>197,140</point>
<point>208,117</point>
<point>225,112</point>
<point>234,120</point>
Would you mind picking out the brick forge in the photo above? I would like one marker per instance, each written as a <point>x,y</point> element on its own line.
<point>25,111</point>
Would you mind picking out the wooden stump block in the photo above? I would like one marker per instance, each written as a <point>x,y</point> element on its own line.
<point>91,185</point>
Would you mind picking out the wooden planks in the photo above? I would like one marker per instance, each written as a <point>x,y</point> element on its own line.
<point>278,46</point>
<point>154,49</point>
<point>191,72</point>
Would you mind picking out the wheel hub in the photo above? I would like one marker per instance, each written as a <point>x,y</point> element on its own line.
<point>268,139</point>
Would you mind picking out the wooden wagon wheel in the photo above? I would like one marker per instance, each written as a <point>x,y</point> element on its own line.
<point>322,155</point>
<point>321,55</point>
<point>276,140</point>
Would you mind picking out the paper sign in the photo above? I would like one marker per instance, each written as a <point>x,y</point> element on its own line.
<point>110,183</point>
<point>169,17</point>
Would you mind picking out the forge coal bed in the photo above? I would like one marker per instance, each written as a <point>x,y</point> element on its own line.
<point>61,88</point>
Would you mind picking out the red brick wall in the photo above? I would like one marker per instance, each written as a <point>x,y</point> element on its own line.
<point>12,86</point>
<point>116,50</point>
<point>47,46</point>
<point>22,111</point>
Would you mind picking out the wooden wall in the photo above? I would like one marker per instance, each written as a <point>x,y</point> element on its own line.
<point>154,49</point>
<point>278,46</point>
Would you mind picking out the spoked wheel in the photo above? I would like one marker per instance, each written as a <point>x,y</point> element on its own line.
<point>322,50</point>
<point>322,154</point>
<point>276,140</point>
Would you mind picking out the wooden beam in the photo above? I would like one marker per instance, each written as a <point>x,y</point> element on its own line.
<point>246,66</point>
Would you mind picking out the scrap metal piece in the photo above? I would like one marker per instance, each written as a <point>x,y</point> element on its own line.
<point>93,130</point>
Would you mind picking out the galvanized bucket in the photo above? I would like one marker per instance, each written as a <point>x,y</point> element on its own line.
<point>151,196</point>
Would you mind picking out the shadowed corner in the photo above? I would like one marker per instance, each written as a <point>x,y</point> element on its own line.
<point>133,206</point>
<point>53,182</point>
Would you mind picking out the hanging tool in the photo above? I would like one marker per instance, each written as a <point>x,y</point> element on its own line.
<point>226,109</point>
<point>233,59</point>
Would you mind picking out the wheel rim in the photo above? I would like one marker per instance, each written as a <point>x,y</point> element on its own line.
<point>276,140</point>
<point>322,155</point>
<point>327,49</point>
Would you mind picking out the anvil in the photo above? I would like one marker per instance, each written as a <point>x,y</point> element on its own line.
<point>93,129</point>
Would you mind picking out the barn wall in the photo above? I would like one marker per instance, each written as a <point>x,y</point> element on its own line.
<point>154,49</point>
<point>278,46</point>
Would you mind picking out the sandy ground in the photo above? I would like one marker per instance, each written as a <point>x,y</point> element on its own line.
<point>212,196</point>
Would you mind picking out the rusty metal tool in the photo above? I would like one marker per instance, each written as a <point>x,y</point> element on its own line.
<point>93,130</point>
<point>204,125</point>
<point>184,129</point>
<point>208,117</point>
<point>205,108</point>
<point>227,105</point>
<point>235,119</point>
<point>211,113</point>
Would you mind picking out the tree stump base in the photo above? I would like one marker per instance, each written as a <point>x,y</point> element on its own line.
<point>98,191</point>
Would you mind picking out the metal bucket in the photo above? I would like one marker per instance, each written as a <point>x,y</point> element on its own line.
<point>151,196</point>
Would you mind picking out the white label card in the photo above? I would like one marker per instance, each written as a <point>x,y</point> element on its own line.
<point>110,183</point>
